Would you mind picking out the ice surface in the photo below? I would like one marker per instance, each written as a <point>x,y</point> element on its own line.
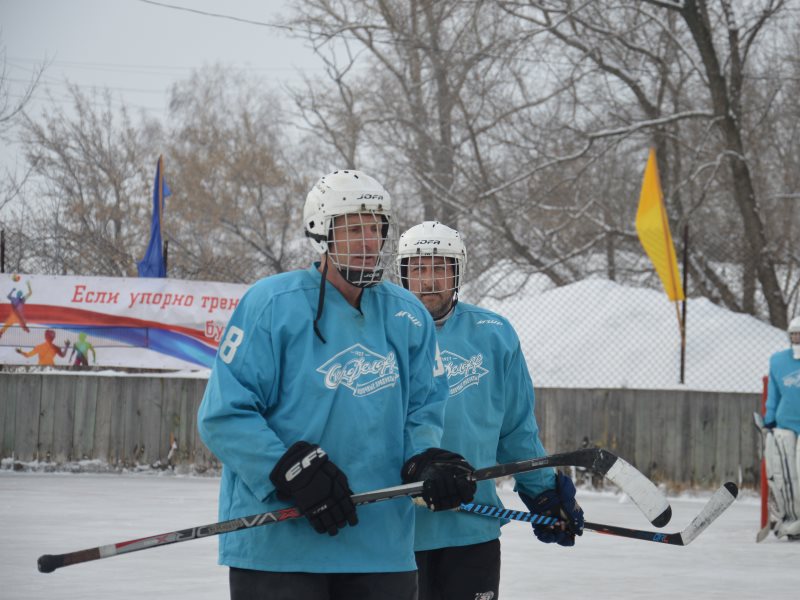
<point>56,513</point>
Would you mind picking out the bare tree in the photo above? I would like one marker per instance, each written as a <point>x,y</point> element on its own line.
<point>421,62</point>
<point>433,93</point>
<point>11,108</point>
<point>663,63</point>
<point>237,187</point>
<point>90,189</point>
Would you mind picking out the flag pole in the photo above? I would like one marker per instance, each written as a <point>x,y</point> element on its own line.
<point>682,318</point>
<point>161,208</point>
<point>652,227</point>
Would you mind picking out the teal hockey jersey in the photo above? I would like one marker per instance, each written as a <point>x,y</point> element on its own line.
<point>783,391</point>
<point>489,419</point>
<point>369,397</point>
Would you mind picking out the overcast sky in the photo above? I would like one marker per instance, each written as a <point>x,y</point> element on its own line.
<point>138,49</point>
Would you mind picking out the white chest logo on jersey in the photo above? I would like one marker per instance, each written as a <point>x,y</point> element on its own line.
<point>792,379</point>
<point>462,372</point>
<point>361,370</point>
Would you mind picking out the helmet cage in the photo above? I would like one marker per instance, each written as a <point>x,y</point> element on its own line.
<point>356,246</point>
<point>431,238</point>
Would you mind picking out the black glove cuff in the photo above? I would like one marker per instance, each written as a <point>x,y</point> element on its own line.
<point>415,467</point>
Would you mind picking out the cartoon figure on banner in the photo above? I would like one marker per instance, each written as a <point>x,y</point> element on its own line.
<point>17,298</point>
<point>80,350</point>
<point>47,350</point>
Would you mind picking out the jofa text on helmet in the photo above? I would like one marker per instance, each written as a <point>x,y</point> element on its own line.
<point>370,197</point>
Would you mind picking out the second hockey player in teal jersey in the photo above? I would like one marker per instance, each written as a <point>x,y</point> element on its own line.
<point>489,419</point>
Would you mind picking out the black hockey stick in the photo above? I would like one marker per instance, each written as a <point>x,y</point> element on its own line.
<point>641,490</point>
<point>716,505</point>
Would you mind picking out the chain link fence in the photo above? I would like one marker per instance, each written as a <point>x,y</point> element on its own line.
<point>621,331</point>
<point>598,327</point>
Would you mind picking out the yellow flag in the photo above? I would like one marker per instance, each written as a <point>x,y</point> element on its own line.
<point>653,229</point>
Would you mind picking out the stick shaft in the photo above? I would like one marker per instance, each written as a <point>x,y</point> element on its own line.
<point>596,459</point>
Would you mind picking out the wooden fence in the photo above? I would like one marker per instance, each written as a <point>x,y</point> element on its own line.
<point>681,438</point>
<point>123,421</point>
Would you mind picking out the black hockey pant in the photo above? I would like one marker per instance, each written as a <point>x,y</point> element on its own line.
<point>460,572</point>
<point>269,585</point>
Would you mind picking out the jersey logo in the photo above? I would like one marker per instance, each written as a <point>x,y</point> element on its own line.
<point>488,322</point>
<point>411,317</point>
<point>792,379</point>
<point>462,372</point>
<point>362,371</point>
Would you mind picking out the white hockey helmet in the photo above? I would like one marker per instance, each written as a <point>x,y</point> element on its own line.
<point>431,238</point>
<point>347,192</point>
<point>794,336</point>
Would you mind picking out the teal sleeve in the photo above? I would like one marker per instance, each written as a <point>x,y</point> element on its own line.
<point>773,395</point>
<point>231,417</point>
<point>519,435</point>
<point>427,396</point>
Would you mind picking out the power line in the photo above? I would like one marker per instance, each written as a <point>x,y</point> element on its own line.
<point>394,43</point>
<point>53,81</point>
<point>133,68</point>
<point>219,15</point>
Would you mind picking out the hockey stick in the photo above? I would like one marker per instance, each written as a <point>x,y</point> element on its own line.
<point>716,505</point>
<point>635,484</point>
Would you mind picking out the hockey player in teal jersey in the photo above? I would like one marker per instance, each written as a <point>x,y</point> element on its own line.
<point>489,419</point>
<point>782,423</point>
<point>326,382</point>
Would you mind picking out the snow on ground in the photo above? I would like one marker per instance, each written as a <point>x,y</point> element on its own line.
<point>60,512</point>
<point>597,333</point>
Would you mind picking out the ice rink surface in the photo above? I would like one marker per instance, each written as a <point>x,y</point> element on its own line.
<point>56,513</point>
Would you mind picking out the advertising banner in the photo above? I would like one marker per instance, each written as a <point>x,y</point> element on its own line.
<point>149,323</point>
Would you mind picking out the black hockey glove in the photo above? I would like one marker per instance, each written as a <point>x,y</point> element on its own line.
<point>559,502</point>
<point>444,475</point>
<point>306,476</point>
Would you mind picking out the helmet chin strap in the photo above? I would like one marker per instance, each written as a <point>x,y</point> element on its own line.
<point>357,278</point>
<point>361,278</point>
<point>321,300</point>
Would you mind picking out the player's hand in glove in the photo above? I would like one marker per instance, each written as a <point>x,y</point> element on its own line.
<point>445,476</point>
<point>559,502</point>
<point>305,476</point>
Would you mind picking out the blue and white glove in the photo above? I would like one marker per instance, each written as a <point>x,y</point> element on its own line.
<point>559,502</point>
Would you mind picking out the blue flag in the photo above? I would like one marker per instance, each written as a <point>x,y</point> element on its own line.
<point>152,265</point>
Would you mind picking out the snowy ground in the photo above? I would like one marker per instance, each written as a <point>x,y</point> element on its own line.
<point>55,513</point>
